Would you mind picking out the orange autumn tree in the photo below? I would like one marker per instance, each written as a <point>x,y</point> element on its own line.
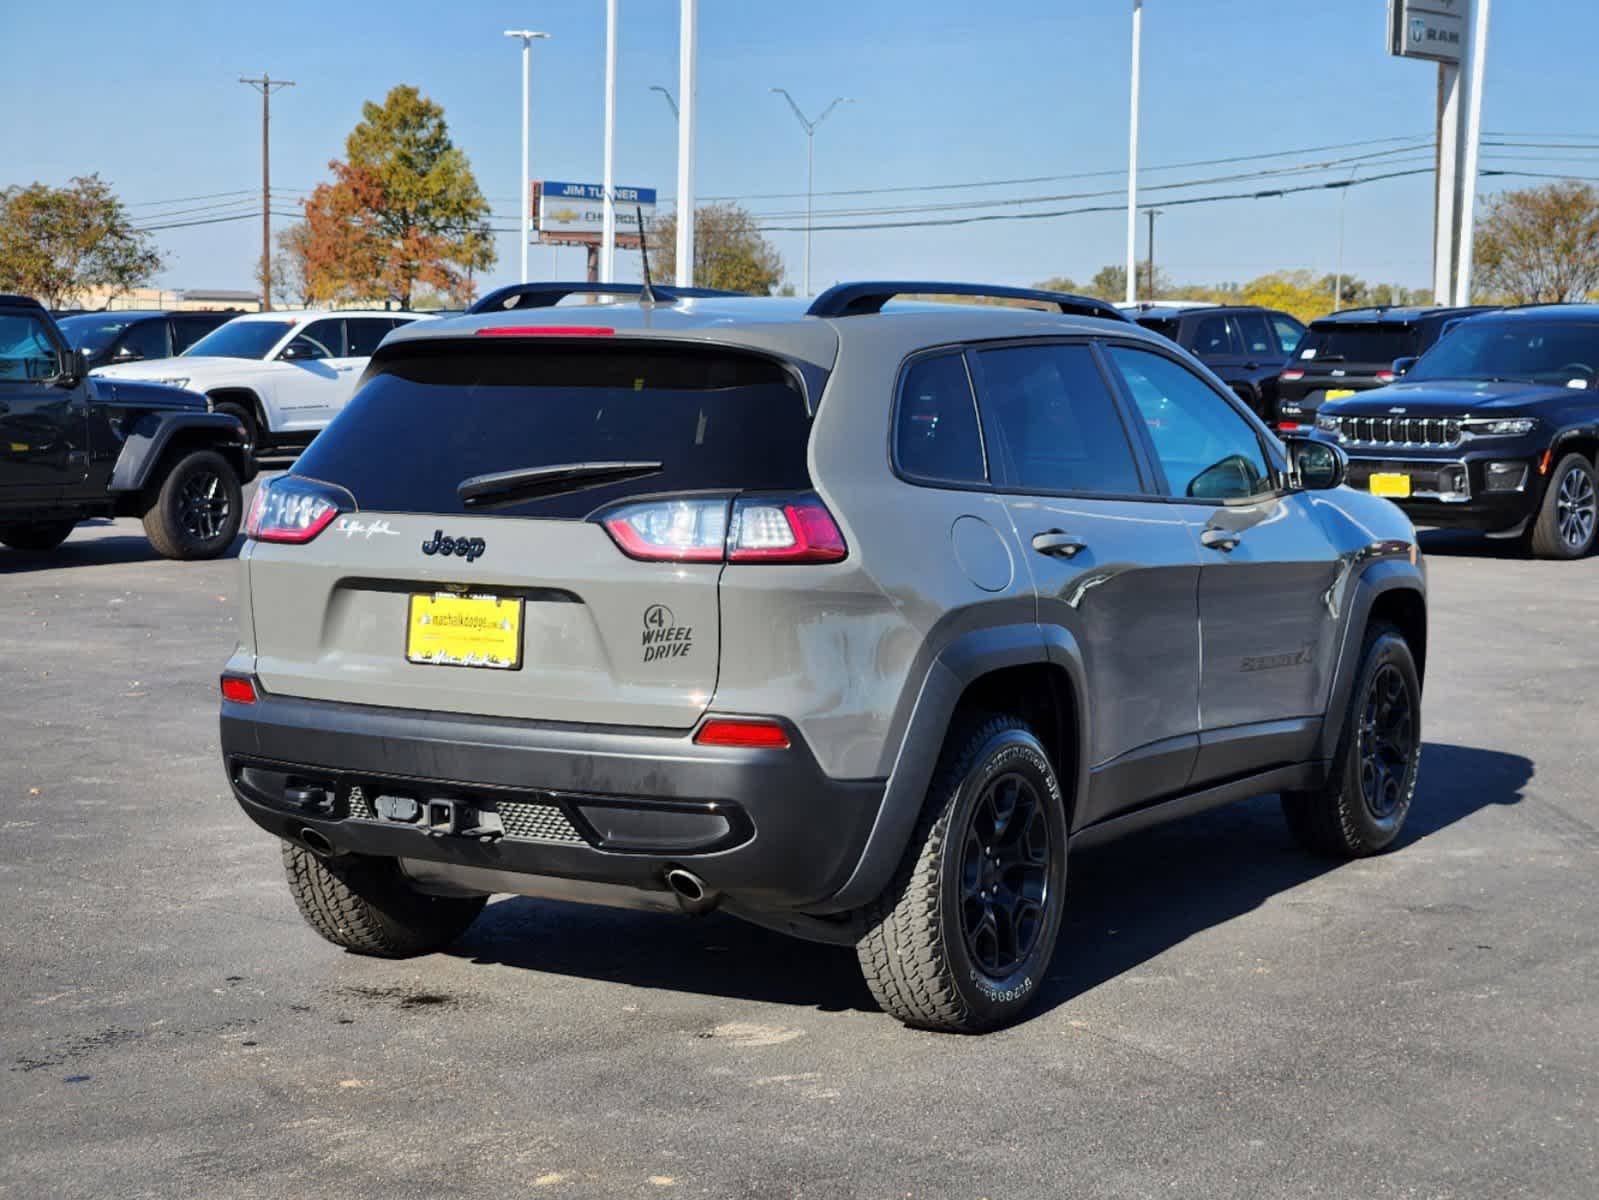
<point>403,211</point>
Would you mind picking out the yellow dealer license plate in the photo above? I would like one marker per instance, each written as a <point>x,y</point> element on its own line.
<point>1339,393</point>
<point>465,631</point>
<point>1389,484</point>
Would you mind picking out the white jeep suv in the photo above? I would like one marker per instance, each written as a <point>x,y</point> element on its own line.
<point>284,375</point>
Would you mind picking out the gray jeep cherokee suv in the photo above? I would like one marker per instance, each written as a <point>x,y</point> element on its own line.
<point>850,622</point>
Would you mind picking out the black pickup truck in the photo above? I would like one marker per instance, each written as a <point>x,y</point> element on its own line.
<point>73,446</point>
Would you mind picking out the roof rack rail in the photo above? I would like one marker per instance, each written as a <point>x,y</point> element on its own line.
<point>8,298</point>
<point>860,299</point>
<point>546,295</point>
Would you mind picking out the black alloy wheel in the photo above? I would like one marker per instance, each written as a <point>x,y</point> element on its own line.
<point>204,507</point>
<point>1387,741</point>
<point>1004,875</point>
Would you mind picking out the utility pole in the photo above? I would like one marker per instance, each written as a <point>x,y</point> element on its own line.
<point>810,127</point>
<point>608,221</point>
<point>1152,213</point>
<point>1132,160</point>
<point>527,36</point>
<point>687,56</point>
<point>266,85</point>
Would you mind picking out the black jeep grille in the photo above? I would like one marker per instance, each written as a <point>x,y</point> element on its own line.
<point>1437,432</point>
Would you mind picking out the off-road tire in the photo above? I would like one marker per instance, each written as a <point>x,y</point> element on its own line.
<point>1336,819</point>
<point>367,906</point>
<point>914,952</point>
<point>36,536</point>
<point>164,518</point>
<point>244,416</point>
<point>1545,538</point>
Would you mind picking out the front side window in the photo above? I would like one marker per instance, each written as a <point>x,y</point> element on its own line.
<point>935,427</point>
<point>1256,336</point>
<point>26,352</point>
<point>321,339</point>
<point>366,333</point>
<point>1207,450</point>
<point>92,332</point>
<point>1211,337</point>
<point>146,339</point>
<point>1054,421</point>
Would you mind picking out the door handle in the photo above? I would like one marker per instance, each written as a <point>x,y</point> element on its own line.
<point>1219,539</point>
<point>1058,543</point>
<point>1251,366</point>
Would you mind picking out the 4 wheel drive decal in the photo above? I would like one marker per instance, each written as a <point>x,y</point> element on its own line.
<point>663,636</point>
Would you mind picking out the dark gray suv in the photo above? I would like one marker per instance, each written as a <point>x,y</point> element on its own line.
<point>849,618</point>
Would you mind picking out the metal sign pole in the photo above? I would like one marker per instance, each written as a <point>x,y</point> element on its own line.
<point>608,229</point>
<point>687,48</point>
<point>1448,183</point>
<point>1472,68</point>
<point>1132,162</point>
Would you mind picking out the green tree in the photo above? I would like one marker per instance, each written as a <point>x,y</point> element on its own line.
<point>1539,245</point>
<point>403,209</point>
<point>729,251</point>
<point>1110,283</point>
<point>56,243</point>
<point>290,284</point>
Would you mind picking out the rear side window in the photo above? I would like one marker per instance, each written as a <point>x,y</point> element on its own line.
<point>1373,344</point>
<point>1055,425</point>
<point>935,427</point>
<point>1289,332</point>
<point>188,330</point>
<point>438,413</point>
<point>147,339</point>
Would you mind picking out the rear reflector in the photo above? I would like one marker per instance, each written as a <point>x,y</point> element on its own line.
<point>1291,376</point>
<point>766,735</point>
<point>546,331</point>
<point>238,689</point>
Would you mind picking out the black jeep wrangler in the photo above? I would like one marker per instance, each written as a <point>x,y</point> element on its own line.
<point>73,446</point>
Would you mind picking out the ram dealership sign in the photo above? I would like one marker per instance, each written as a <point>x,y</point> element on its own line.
<point>1432,29</point>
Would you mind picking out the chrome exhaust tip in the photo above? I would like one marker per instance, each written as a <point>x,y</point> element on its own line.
<point>693,895</point>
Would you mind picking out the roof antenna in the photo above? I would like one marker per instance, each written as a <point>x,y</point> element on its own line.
<point>646,294</point>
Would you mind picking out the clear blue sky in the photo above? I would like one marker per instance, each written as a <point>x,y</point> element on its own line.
<point>947,91</point>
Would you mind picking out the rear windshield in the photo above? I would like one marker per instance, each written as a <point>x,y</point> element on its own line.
<point>437,414</point>
<point>1377,345</point>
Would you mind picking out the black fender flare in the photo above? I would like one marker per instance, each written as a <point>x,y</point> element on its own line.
<point>1379,577</point>
<point>960,663</point>
<point>149,435</point>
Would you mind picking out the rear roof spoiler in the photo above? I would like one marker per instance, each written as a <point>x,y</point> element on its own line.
<point>547,295</point>
<point>861,299</point>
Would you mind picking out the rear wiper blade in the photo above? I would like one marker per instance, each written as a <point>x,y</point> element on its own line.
<point>1329,358</point>
<point>526,483</point>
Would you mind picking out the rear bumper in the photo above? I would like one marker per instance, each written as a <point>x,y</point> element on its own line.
<point>768,828</point>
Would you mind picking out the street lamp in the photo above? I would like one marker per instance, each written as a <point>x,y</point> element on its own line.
<point>1132,159</point>
<point>670,99</point>
<point>527,36</point>
<point>810,165</point>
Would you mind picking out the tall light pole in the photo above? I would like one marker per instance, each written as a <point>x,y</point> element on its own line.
<point>687,53</point>
<point>810,165</point>
<point>266,85</point>
<point>1338,278</point>
<point>1471,68</point>
<point>608,223</point>
<point>671,101</point>
<point>1132,160</point>
<point>527,36</point>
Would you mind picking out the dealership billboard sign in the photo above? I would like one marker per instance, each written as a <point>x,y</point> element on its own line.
<point>1430,29</point>
<point>576,211</point>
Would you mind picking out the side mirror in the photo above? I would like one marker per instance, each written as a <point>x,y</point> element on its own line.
<point>73,366</point>
<point>296,351</point>
<point>1315,465</point>
<point>127,354</point>
<point>1401,365</point>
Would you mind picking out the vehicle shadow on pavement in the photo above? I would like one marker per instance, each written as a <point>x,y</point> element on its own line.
<point>78,551</point>
<point>1126,903</point>
<point>1467,543</point>
<point>1133,899</point>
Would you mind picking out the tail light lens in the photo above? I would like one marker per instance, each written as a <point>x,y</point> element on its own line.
<point>287,509</point>
<point>1385,376</point>
<point>1292,376</point>
<point>769,529</point>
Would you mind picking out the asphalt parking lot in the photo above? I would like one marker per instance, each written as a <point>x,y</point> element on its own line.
<point>1226,1016</point>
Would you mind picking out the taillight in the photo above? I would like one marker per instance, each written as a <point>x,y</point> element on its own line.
<point>765,735</point>
<point>766,529</point>
<point>238,689</point>
<point>1289,426</point>
<point>288,509</point>
<point>795,530</point>
<point>1292,376</point>
<point>1385,376</point>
